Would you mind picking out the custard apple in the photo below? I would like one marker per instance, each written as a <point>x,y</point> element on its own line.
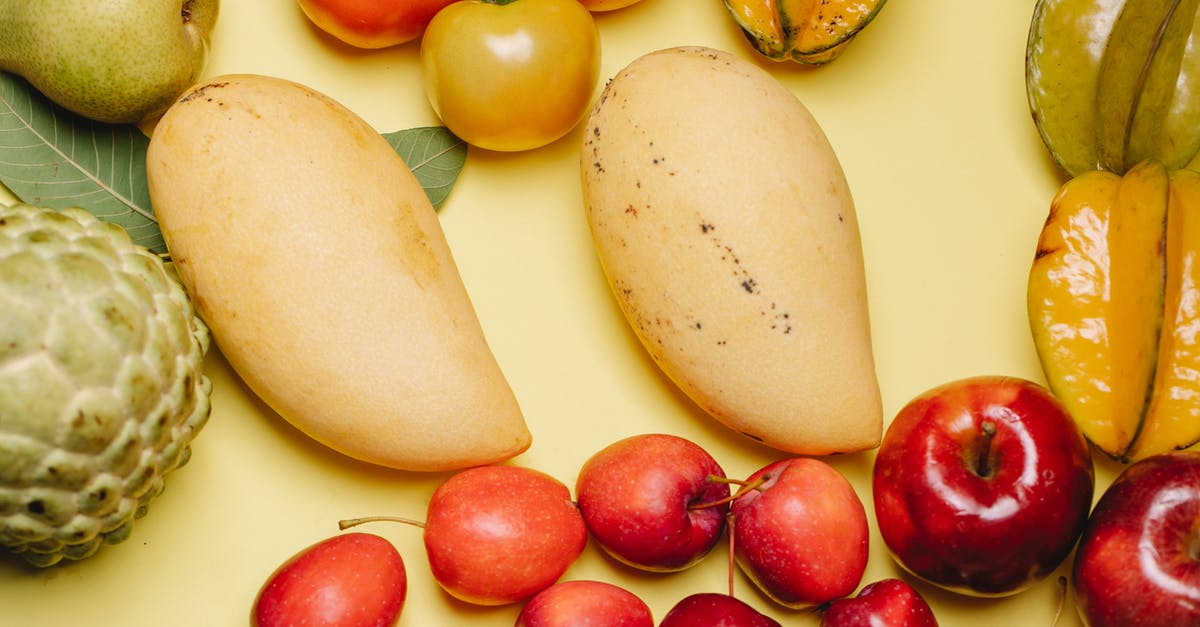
<point>102,388</point>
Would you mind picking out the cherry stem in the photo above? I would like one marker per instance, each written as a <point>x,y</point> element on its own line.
<point>982,466</point>
<point>354,522</point>
<point>743,487</point>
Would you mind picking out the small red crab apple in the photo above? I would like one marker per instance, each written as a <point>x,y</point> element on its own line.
<point>347,580</point>
<point>800,532</point>
<point>638,497</point>
<point>891,602</point>
<point>498,534</point>
<point>714,609</point>
<point>582,602</point>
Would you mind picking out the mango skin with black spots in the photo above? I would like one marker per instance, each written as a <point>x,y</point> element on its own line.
<point>726,230</point>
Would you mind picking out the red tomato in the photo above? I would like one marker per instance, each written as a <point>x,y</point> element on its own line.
<point>372,23</point>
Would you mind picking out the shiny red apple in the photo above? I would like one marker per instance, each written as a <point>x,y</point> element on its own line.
<point>582,602</point>
<point>712,609</point>
<point>500,534</point>
<point>1139,557</point>
<point>638,497</point>
<point>349,580</point>
<point>982,485</point>
<point>892,602</point>
<point>800,532</point>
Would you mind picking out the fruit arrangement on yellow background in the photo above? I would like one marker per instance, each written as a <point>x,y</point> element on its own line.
<point>590,334</point>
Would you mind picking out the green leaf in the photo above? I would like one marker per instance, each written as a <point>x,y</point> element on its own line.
<point>51,157</point>
<point>54,158</point>
<point>435,156</point>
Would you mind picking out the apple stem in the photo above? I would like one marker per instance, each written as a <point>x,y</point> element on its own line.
<point>1062,598</point>
<point>354,522</point>
<point>729,518</point>
<point>743,487</point>
<point>982,466</point>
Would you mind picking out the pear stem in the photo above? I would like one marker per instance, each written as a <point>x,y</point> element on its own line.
<point>354,522</point>
<point>983,467</point>
<point>743,487</point>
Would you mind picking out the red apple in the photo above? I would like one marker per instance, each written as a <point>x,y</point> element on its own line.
<point>1139,557</point>
<point>637,496</point>
<point>801,534</point>
<point>584,602</point>
<point>348,580</point>
<point>372,23</point>
<point>712,609</point>
<point>982,485</point>
<point>500,534</point>
<point>891,602</point>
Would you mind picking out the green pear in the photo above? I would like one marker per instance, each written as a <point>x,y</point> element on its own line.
<point>115,61</point>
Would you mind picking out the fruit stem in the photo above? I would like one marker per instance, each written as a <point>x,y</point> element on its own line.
<point>732,561</point>
<point>982,466</point>
<point>1062,599</point>
<point>744,487</point>
<point>354,522</point>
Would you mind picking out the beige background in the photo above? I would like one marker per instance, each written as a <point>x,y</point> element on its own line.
<point>928,115</point>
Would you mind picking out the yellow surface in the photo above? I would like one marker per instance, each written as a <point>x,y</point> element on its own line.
<point>928,115</point>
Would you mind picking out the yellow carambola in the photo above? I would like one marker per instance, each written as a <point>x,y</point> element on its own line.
<point>1114,307</point>
<point>1111,84</point>
<point>1173,417</point>
<point>807,31</point>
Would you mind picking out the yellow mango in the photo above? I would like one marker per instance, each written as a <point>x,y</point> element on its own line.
<point>727,232</point>
<point>316,258</point>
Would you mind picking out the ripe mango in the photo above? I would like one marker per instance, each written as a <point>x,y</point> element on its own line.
<point>728,235</point>
<point>316,258</point>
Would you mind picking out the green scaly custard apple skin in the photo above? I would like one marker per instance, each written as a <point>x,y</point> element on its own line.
<point>114,61</point>
<point>102,388</point>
